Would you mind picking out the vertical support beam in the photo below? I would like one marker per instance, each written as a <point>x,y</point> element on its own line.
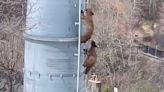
<point>95,87</point>
<point>79,50</point>
<point>115,89</point>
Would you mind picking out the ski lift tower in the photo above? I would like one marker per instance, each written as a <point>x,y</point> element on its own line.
<point>53,58</point>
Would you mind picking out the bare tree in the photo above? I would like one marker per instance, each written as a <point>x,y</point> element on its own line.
<point>120,61</point>
<point>12,25</point>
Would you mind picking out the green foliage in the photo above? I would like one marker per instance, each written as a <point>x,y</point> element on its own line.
<point>106,89</point>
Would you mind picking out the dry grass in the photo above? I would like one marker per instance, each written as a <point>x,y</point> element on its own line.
<point>12,22</point>
<point>119,62</point>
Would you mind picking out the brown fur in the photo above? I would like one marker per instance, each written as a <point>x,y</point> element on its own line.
<point>89,25</point>
<point>91,57</point>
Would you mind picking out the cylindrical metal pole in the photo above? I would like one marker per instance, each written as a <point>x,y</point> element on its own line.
<point>51,45</point>
<point>79,47</point>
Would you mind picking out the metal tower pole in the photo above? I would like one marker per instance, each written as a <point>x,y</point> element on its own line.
<point>79,47</point>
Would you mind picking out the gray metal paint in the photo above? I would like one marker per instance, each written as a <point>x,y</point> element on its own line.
<point>50,47</point>
<point>53,18</point>
<point>50,67</point>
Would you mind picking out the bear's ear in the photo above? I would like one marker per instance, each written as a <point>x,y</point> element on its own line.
<point>82,12</point>
<point>93,43</point>
<point>92,13</point>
